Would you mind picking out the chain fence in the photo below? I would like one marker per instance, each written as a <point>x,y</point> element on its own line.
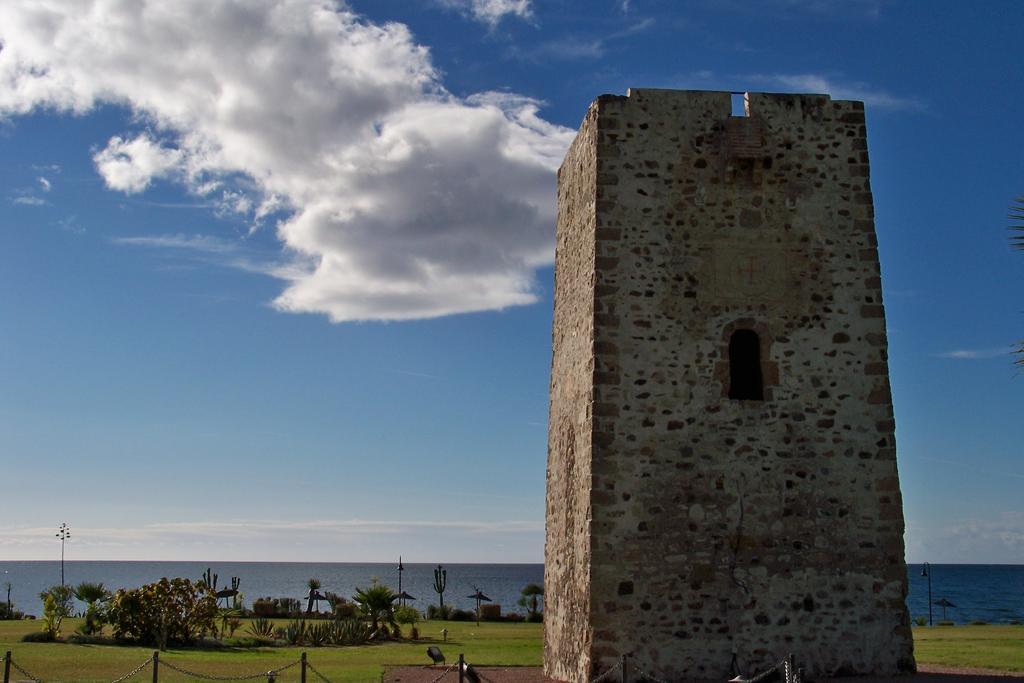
<point>316,673</point>
<point>444,673</point>
<point>23,672</point>
<point>134,671</point>
<point>269,674</point>
<point>785,671</point>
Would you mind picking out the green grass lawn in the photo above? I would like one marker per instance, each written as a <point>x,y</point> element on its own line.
<point>489,643</point>
<point>989,647</point>
<point>993,647</point>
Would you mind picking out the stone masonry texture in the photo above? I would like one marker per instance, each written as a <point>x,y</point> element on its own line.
<point>686,529</point>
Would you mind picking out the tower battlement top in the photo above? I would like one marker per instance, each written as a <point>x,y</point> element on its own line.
<point>730,103</point>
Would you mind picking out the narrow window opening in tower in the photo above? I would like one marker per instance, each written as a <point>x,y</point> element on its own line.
<point>739,104</point>
<point>745,380</point>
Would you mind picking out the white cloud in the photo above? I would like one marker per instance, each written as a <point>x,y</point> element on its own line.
<point>257,528</point>
<point>408,201</point>
<point>998,538</point>
<point>203,243</point>
<point>248,539</point>
<point>44,183</point>
<point>491,12</point>
<point>28,200</point>
<point>222,252</point>
<point>572,47</point>
<point>976,354</point>
<point>816,83</point>
<point>130,165</point>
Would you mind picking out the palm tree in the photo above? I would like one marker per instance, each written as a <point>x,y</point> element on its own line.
<point>313,598</point>
<point>1017,241</point>
<point>90,594</point>
<point>377,603</point>
<point>530,595</point>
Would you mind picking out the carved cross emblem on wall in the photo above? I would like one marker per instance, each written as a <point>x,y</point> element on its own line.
<point>747,265</point>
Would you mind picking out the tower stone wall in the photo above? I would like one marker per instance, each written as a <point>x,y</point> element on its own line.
<point>685,528</point>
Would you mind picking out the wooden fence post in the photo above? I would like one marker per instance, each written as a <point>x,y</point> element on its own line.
<point>302,676</point>
<point>7,667</point>
<point>156,666</point>
<point>624,678</point>
<point>462,668</point>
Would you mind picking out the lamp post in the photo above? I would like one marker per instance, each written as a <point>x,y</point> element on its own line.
<point>63,533</point>
<point>924,572</point>
<point>400,570</point>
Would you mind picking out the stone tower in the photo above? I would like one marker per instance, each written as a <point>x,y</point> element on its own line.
<point>722,485</point>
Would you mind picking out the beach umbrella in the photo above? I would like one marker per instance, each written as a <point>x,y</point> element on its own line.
<point>479,597</point>
<point>403,596</point>
<point>944,603</point>
<point>225,594</point>
<point>314,596</point>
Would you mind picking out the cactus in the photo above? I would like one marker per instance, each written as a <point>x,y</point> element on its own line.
<point>440,581</point>
<point>209,579</point>
<point>235,583</point>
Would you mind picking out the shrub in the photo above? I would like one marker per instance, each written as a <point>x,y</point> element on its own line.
<point>444,613</point>
<point>513,617</point>
<point>407,615</point>
<point>462,615</point>
<point>56,606</point>
<point>318,634</point>
<point>979,622</point>
<point>349,632</point>
<point>295,632</point>
<point>344,610</point>
<point>263,607</point>
<point>536,618</point>
<point>414,633</point>
<point>921,621</point>
<point>38,637</point>
<point>945,622</point>
<point>80,639</point>
<point>491,612</point>
<point>261,628</point>
<point>168,611</point>
<point>246,641</point>
<point>11,613</point>
<point>280,608</point>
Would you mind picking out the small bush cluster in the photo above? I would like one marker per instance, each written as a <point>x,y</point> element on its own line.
<point>449,613</point>
<point>38,637</point>
<point>276,608</point>
<point>168,611</point>
<point>56,606</point>
<point>11,613</point>
<point>299,632</point>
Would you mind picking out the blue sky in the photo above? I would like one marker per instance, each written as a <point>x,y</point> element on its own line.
<point>275,277</point>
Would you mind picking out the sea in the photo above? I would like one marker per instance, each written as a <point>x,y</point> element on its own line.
<point>992,593</point>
